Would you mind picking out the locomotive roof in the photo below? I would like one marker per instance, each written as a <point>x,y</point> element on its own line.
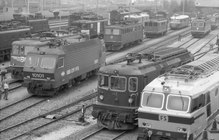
<point>89,21</point>
<point>179,17</point>
<point>149,58</point>
<point>30,42</point>
<point>18,29</point>
<point>192,79</point>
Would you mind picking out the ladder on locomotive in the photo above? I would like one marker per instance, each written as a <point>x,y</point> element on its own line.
<point>192,72</point>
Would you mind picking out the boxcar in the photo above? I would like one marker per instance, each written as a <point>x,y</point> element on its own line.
<point>120,85</point>
<point>61,64</point>
<point>119,36</point>
<point>179,21</point>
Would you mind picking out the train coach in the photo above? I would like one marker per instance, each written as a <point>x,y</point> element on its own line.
<point>157,25</point>
<point>122,35</point>
<point>120,85</point>
<point>61,64</point>
<point>214,21</point>
<point>179,22</point>
<point>200,27</point>
<point>180,104</point>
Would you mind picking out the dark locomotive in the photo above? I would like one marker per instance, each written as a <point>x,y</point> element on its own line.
<point>61,64</point>
<point>122,35</point>
<point>120,85</point>
<point>200,27</point>
<point>157,25</point>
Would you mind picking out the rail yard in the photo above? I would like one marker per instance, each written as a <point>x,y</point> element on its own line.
<point>83,76</point>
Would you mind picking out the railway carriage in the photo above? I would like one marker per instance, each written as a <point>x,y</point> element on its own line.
<point>120,36</point>
<point>120,85</point>
<point>179,22</point>
<point>214,21</point>
<point>156,26</point>
<point>180,104</point>
<point>139,18</point>
<point>200,27</point>
<point>61,64</point>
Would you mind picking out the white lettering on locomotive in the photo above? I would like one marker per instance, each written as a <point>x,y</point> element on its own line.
<point>38,75</point>
<point>72,70</point>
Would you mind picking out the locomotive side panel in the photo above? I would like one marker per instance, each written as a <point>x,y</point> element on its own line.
<point>80,59</point>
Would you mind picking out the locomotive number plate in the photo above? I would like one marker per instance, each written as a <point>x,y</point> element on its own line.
<point>163,118</point>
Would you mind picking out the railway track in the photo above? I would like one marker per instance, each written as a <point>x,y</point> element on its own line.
<point>39,118</point>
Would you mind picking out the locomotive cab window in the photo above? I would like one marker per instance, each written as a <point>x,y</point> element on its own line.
<point>178,103</point>
<point>107,31</point>
<point>133,84</point>
<point>60,63</point>
<point>116,32</point>
<point>103,81</point>
<point>153,100</point>
<point>48,62</point>
<point>117,83</point>
<point>15,49</point>
<point>32,61</point>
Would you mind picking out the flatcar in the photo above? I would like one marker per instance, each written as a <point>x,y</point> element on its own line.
<point>122,35</point>
<point>180,104</point>
<point>21,47</point>
<point>120,85</point>
<point>157,25</point>
<point>61,64</point>
<point>200,27</point>
<point>8,34</point>
<point>179,21</point>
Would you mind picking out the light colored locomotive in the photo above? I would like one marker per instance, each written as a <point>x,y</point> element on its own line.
<point>180,104</point>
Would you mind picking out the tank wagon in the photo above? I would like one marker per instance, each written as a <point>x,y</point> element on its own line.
<point>200,27</point>
<point>157,25</point>
<point>61,64</point>
<point>8,34</point>
<point>122,35</point>
<point>180,104</point>
<point>120,85</point>
<point>179,22</point>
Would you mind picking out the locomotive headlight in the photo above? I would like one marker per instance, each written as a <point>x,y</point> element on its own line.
<point>130,100</point>
<point>181,129</point>
<point>101,97</point>
<point>28,77</point>
<point>48,78</point>
<point>146,125</point>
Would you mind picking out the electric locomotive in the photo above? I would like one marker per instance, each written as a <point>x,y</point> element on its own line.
<point>200,27</point>
<point>120,85</point>
<point>214,21</point>
<point>180,104</point>
<point>122,35</point>
<point>179,21</point>
<point>61,64</point>
<point>157,25</point>
<point>21,47</point>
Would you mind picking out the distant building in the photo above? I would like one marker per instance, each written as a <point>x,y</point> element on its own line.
<point>207,3</point>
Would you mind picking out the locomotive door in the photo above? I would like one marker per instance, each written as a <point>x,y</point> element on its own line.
<point>145,82</point>
<point>208,103</point>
